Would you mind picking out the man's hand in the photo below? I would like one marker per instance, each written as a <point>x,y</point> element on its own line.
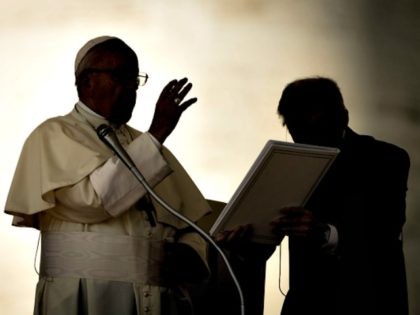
<point>169,108</point>
<point>237,237</point>
<point>238,240</point>
<point>298,222</point>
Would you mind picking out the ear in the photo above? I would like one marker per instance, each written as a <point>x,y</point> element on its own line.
<point>342,118</point>
<point>85,86</point>
<point>345,118</point>
<point>85,82</point>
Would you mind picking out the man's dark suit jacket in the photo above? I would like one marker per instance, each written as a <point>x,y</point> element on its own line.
<point>363,196</point>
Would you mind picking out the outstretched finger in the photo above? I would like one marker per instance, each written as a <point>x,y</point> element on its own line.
<point>185,91</point>
<point>178,86</point>
<point>187,103</point>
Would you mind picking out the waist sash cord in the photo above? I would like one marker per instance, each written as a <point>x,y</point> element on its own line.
<point>98,256</point>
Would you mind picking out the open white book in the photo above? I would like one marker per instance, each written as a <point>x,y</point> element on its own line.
<point>284,174</point>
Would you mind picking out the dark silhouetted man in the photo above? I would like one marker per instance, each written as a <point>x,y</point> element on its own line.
<point>346,254</point>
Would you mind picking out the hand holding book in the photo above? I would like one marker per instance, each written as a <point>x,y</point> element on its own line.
<point>283,176</point>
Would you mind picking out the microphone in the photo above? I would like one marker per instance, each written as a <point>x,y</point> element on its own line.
<point>108,136</point>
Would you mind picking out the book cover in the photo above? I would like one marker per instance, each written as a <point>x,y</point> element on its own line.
<point>284,174</point>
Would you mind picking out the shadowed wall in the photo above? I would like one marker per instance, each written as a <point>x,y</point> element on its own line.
<point>239,55</point>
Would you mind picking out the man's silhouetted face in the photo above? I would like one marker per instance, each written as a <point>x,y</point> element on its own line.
<point>317,127</point>
<point>111,86</point>
<point>313,111</point>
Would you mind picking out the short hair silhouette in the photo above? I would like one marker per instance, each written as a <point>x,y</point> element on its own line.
<point>311,94</point>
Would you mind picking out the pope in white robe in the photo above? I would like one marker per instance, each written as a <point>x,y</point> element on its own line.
<point>100,252</point>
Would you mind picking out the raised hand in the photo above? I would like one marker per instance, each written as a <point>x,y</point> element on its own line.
<point>169,108</point>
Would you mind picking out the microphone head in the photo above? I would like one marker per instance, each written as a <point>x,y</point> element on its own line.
<point>108,136</point>
<point>103,131</point>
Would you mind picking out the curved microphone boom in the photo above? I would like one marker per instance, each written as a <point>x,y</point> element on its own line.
<point>107,135</point>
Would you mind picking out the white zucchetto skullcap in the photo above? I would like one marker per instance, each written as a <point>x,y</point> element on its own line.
<point>87,47</point>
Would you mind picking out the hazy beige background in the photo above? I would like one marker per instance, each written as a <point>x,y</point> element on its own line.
<point>239,54</point>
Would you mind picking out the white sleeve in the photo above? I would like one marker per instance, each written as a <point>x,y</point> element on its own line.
<point>117,187</point>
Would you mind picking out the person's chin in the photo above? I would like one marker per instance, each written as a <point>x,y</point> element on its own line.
<point>122,116</point>
<point>120,120</point>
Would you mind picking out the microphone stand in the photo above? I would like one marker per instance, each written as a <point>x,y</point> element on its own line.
<point>107,135</point>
